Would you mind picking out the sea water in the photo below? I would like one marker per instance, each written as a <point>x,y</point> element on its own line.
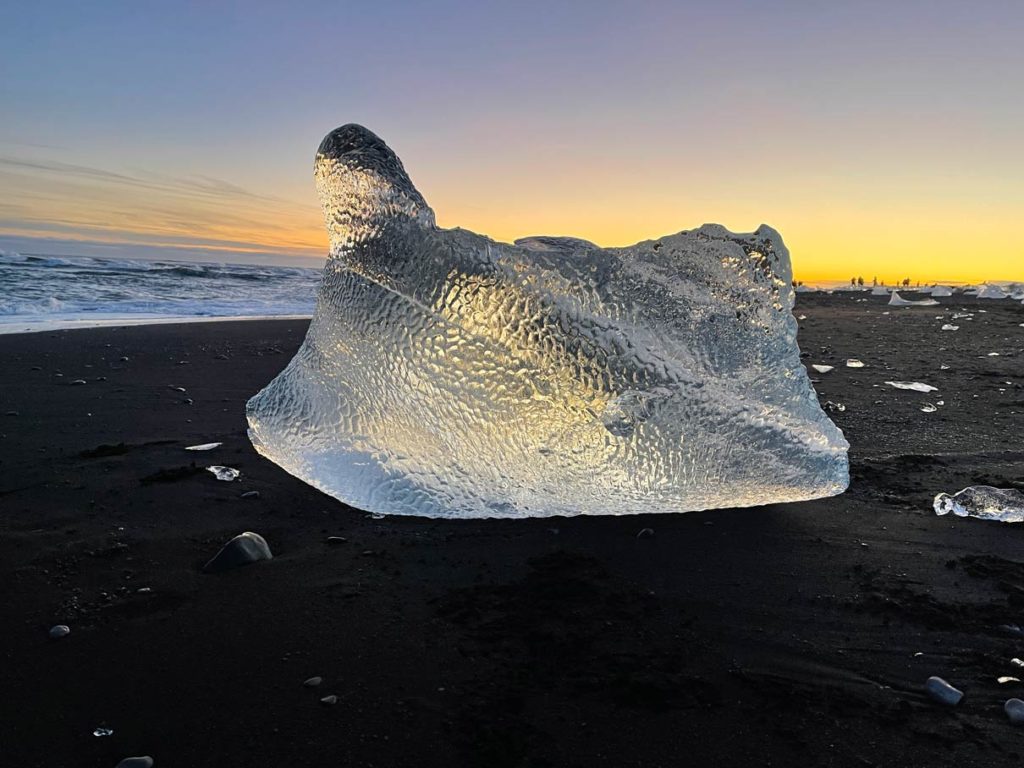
<point>39,292</point>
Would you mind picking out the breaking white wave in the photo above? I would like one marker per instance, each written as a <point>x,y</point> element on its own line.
<point>42,291</point>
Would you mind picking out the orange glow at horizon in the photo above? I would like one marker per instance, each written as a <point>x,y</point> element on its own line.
<point>832,234</point>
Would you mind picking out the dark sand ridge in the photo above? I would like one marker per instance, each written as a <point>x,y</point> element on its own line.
<point>785,635</point>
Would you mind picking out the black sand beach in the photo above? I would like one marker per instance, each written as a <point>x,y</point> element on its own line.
<point>786,635</point>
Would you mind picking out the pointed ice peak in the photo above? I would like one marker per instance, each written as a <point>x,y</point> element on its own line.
<point>364,189</point>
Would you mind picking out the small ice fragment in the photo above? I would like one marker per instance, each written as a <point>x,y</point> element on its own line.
<point>78,381</point>
<point>329,700</point>
<point>145,761</point>
<point>940,402</point>
<point>928,408</point>
<point>1014,709</point>
<point>100,732</point>
<point>59,631</point>
<point>1017,662</point>
<point>313,682</point>
<point>203,447</point>
<point>1006,679</point>
<point>916,386</point>
<point>831,407</point>
<point>226,474</point>
<point>895,300</point>
<point>963,316</point>
<point>943,692</point>
<point>823,368</point>
<point>854,363</point>
<point>802,317</point>
<point>985,503</point>
<point>949,327</point>
<point>993,354</point>
<point>943,367</point>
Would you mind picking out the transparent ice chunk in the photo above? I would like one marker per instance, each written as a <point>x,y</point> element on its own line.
<point>854,363</point>
<point>203,447</point>
<point>983,502</point>
<point>898,301</point>
<point>445,374</point>
<point>915,386</point>
<point>226,474</point>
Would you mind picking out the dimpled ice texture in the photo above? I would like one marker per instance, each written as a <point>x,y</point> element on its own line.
<point>448,375</point>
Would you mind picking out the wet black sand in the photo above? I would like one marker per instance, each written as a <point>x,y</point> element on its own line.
<point>788,635</point>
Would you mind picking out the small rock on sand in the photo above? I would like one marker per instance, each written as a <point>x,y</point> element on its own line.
<point>59,631</point>
<point>244,549</point>
<point>313,682</point>
<point>136,762</point>
<point>1014,709</point>
<point>943,692</point>
<point>329,700</point>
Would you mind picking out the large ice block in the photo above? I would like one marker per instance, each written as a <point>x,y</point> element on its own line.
<point>445,374</point>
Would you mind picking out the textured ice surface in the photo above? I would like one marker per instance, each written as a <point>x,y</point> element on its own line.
<point>984,502</point>
<point>446,374</point>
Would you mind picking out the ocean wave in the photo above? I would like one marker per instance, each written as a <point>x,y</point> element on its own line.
<point>42,286</point>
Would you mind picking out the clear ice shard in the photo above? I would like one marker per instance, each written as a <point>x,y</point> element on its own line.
<point>895,300</point>
<point>984,502</point>
<point>448,375</point>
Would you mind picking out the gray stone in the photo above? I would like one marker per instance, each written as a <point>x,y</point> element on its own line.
<point>136,762</point>
<point>244,549</point>
<point>943,692</point>
<point>313,682</point>
<point>329,700</point>
<point>1014,709</point>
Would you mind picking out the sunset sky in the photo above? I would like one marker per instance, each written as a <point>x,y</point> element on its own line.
<point>880,138</point>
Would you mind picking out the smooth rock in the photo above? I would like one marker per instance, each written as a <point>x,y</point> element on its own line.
<point>943,692</point>
<point>1014,709</point>
<point>244,549</point>
<point>59,631</point>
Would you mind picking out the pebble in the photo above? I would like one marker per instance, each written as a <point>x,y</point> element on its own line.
<point>313,682</point>
<point>244,549</point>
<point>1014,709</point>
<point>250,495</point>
<point>943,692</point>
<point>329,700</point>
<point>59,631</point>
<point>78,381</point>
<point>136,762</point>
